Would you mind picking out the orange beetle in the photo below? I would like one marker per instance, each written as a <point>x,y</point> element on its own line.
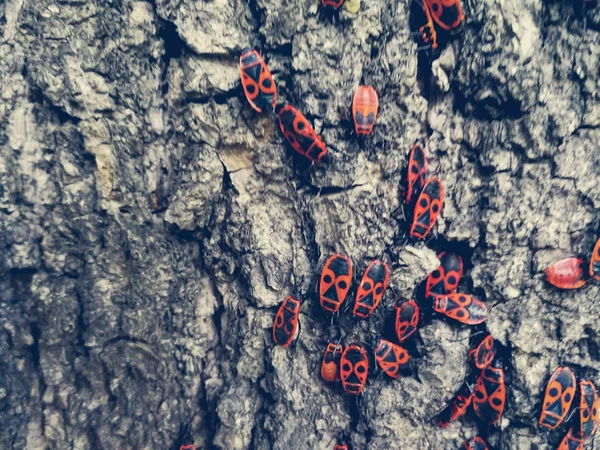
<point>257,81</point>
<point>567,273</point>
<point>391,358</point>
<point>364,109</point>
<point>560,392</point>
<point>588,409</point>
<point>330,367</point>
<point>354,369</point>
<point>571,441</point>
<point>285,324</point>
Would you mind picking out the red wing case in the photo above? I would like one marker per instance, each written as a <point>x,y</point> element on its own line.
<point>257,81</point>
<point>483,355</point>
<point>417,171</point>
<point>447,14</point>
<point>444,280</point>
<point>458,406</point>
<point>560,392</point>
<point>428,208</point>
<point>354,368</point>
<point>286,322</point>
<point>365,105</point>
<point>391,358</point>
<point>300,134</point>
<point>407,319</point>
<point>461,307</point>
<point>372,286</point>
<point>588,409</point>
<point>336,279</point>
<point>567,273</point>
<point>490,394</point>
<point>571,441</point>
<point>330,367</point>
<point>595,262</point>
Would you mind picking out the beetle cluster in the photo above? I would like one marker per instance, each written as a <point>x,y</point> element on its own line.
<point>261,93</point>
<point>574,272</point>
<point>484,387</point>
<point>349,364</point>
<point>560,392</point>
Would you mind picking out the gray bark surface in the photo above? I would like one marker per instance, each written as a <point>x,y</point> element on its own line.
<point>151,222</point>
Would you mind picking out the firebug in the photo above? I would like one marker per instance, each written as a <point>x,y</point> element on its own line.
<point>391,358</point>
<point>416,172</point>
<point>257,81</point>
<point>354,369</point>
<point>461,307</point>
<point>365,104</point>
<point>285,325</point>
<point>300,134</point>
<point>567,273</point>
<point>490,393</point>
<point>428,208</point>
<point>371,289</point>
<point>571,441</point>
<point>560,392</point>
<point>330,367</point>
<point>407,318</point>
<point>336,279</point>
<point>483,354</point>
<point>588,409</point>
<point>444,280</point>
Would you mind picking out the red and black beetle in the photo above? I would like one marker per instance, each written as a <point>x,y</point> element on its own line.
<point>259,87</point>
<point>371,289</point>
<point>560,392</point>
<point>187,447</point>
<point>571,441</point>
<point>340,446</point>
<point>428,208</point>
<point>330,367</point>
<point>483,354</point>
<point>458,405</point>
<point>391,358</point>
<point>285,325</point>
<point>588,409</point>
<point>354,369</point>
<point>336,279</point>
<point>568,273</point>
<point>416,172</point>
<point>461,307</point>
<point>365,104</point>
<point>444,280</point>
<point>407,319</point>
<point>490,393</point>
<point>300,134</point>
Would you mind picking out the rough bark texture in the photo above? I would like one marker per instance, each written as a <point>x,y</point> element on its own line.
<point>151,221</point>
